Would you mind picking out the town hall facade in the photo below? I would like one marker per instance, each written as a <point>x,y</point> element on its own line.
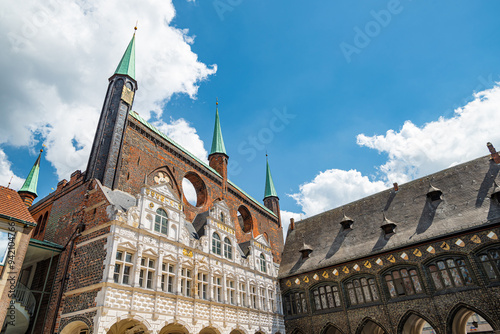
<point>127,253</point>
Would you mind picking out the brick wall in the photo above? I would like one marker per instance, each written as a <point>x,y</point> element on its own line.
<point>436,306</point>
<point>144,152</point>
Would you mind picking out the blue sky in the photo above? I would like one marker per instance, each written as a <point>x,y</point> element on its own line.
<point>415,62</point>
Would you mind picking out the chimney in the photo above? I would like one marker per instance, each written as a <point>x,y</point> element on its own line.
<point>292,224</point>
<point>494,154</point>
<point>396,186</point>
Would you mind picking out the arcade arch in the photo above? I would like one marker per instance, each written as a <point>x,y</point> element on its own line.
<point>462,317</point>
<point>370,327</point>
<point>413,323</point>
<point>75,327</point>
<point>129,326</point>
<point>331,329</point>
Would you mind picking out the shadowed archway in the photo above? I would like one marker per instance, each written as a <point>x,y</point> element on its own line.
<point>331,329</point>
<point>413,323</point>
<point>369,326</point>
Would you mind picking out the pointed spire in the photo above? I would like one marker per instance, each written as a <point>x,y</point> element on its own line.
<point>217,141</point>
<point>127,64</point>
<point>32,180</point>
<point>270,190</point>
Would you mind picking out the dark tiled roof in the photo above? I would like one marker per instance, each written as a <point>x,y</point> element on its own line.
<point>466,202</point>
<point>11,205</point>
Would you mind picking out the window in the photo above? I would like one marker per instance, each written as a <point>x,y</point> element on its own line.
<point>295,303</point>
<point>262,263</point>
<point>490,262</point>
<point>253,297</point>
<point>271,299</point>
<point>263,300</point>
<point>161,221</point>
<point>243,294</point>
<point>326,297</point>
<point>228,249</point>
<point>203,285</point>
<point>186,280</point>
<point>167,277</point>
<point>217,289</point>
<point>230,291</point>
<point>215,244</point>
<point>222,217</point>
<point>123,267</point>
<point>403,282</point>
<point>449,273</point>
<point>362,290</point>
<point>146,273</point>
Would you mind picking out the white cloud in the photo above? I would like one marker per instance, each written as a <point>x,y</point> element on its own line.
<point>189,191</point>
<point>56,58</point>
<point>285,219</point>
<point>333,188</point>
<point>412,152</point>
<point>418,151</point>
<point>6,173</point>
<point>185,135</point>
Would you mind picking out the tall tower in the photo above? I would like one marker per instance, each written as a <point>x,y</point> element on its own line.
<point>104,157</point>
<point>271,199</point>
<point>218,158</point>
<point>28,190</point>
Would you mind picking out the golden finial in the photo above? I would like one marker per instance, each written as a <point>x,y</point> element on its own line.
<point>216,101</point>
<point>8,186</point>
<point>135,28</point>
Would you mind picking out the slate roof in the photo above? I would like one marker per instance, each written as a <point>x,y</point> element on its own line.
<point>466,202</point>
<point>12,207</point>
<point>199,223</point>
<point>119,198</point>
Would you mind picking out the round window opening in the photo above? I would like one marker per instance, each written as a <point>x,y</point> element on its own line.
<point>245,219</point>
<point>194,190</point>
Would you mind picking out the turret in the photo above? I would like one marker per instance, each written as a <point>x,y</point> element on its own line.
<point>218,158</point>
<point>271,199</point>
<point>28,190</point>
<point>104,158</point>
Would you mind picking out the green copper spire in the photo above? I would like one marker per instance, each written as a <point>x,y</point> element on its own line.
<point>127,64</point>
<point>270,190</point>
<point>32,179</point>
<point>217,141</point>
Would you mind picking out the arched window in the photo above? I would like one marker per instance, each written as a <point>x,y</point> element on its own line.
<point>295,303</point>
<point>449,273</point>
<point>216,244</point>
<point>325,297</point>
<point>403,282</point>
<point>263,264</point>
<point>228,249</point>
<point>362,290</point>
<point>222,217</point>
<point>38,224</point>
<point>161,221</point>
<point>490,262</point>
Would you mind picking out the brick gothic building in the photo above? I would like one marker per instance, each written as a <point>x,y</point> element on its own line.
<point>138,258</point>
<point>424,254</point>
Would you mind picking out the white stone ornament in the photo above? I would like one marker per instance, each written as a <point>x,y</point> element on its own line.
<point>161,178</point>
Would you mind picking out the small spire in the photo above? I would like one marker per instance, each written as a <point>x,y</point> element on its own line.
<point>270,190</point>
<point>217,141</point>
<point>127,63</point>
<point>31,182</point>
